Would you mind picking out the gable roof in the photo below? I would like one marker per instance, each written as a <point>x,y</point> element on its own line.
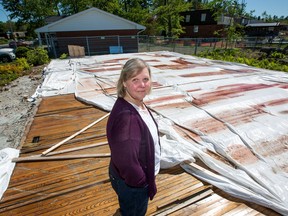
<point>88,20</point>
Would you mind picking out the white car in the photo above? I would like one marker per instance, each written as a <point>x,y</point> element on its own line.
<point>7,55</point>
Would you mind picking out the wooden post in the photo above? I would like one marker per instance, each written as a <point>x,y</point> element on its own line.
<point>76,148</point>
<point>63,157</point>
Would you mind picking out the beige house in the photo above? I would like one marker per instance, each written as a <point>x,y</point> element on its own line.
<point>97,31</point>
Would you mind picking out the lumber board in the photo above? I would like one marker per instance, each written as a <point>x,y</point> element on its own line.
<point>51,183</point>
<point>185,203</point>
<point>30,147</point>
<point>64,157</point>
<point>75,134</point>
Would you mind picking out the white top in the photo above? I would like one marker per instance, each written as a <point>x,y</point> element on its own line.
<point>147,118</point>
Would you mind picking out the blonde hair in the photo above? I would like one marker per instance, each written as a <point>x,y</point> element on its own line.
<point>131,68</point>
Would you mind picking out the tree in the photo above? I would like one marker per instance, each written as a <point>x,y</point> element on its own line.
<point>233,10</point>
<point>138,11</point>
<point>111,6</point>
<point>167,13</point>
<point>70,7</point>
<point>31,12</point>
<point>3,28</point>
<point>197,4</point>
<point>34,12</point>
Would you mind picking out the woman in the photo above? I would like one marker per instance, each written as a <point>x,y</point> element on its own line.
<point>133,139</point>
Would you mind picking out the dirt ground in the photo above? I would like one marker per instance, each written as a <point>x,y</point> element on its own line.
<point>16,107</point>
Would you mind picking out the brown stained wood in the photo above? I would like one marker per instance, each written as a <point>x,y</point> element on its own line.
<point>82,186</point>
<point>205,206</point>
<point>174,192</point>
<point>191,191</point>
<point>93,197</point>
<point>43,196</point>
<point>183,203</point>
<point>77,148</point>
<point>50,182</point>
<point>63,126</point>
<point>57,158</point>
<point>60,104</point>
<point>260,209</point>
<point>53,181</point>
<point>75,134</point>
<point>235,209</point>
<point>28,124</point>
<point>30,147</point>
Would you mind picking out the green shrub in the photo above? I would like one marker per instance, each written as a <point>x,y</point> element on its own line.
<point>64,56</point>
<point>37,56</point>
<point>21,52</point>
<point>249,57</point>
<point>3,41</point>
<point>22,62</point>
<point>277,55</point>
<point>9,72</point>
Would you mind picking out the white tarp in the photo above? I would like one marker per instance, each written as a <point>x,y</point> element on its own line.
<point>6,167</point>
<point>234,111</point>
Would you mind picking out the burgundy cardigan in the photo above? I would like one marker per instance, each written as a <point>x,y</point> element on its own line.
<point>132,147</point>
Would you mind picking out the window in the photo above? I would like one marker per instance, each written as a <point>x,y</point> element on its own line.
<point>203,17</point>
<point>196,28</point>
<point>187,19</point>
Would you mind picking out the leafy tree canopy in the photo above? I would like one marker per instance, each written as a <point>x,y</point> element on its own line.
<point>159,16</point>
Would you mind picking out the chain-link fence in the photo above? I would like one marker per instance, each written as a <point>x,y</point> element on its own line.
<point>99,45</point>
<point>194,46</point>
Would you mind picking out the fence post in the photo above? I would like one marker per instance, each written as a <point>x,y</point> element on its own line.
<point>118,39</point>
<point>196,45</point>
<point>138,44</point>
<point>88,48</point>
<point>53,47</point>
<point>174,44</point>
<point>256,42</point>
<point>148,44</point>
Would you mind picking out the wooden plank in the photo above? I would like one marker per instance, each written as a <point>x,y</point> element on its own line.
<point>191,192</point>
<point>93,197</point>
<point>84,140</point>
<point>185,203</point>
<point>64,157</point>
<point>77,148</point>
<point>61,103</point>
<point>35,183</point>
<point>168,193</point>
<point>75,134</point>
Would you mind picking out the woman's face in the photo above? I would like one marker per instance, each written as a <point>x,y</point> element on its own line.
<point>138,86</point>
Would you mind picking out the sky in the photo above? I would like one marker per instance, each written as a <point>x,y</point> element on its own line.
<point>272,7</point>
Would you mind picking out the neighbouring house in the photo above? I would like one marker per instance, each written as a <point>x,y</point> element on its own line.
<point>202,24</point>
<point>97,31</point>
<point>14,35</point>
<point>263,29</point>
<point>19,34</point>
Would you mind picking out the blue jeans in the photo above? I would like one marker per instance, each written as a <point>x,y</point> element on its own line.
<point>133,201</point>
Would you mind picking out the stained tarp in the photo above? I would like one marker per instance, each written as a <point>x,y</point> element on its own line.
<point>231,117</point>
